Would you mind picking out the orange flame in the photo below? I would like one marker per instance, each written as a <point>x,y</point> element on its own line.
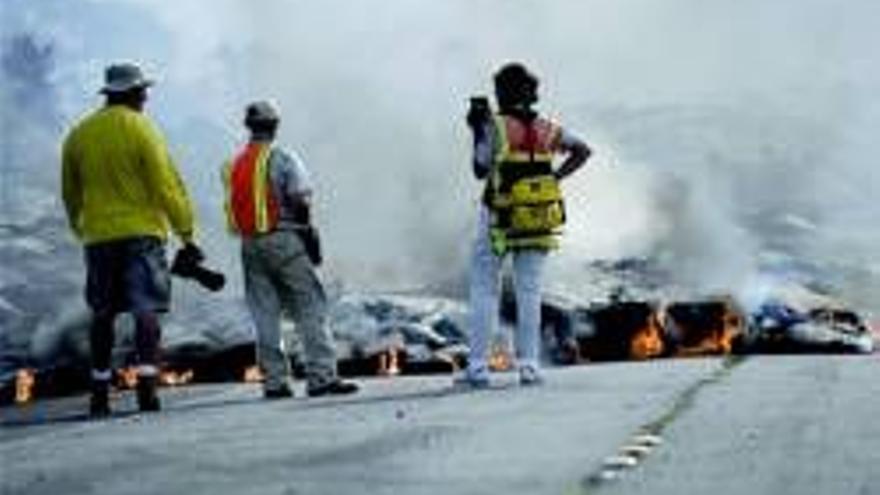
<point>25,379</point>
<point>388,363</point>
<point>128,377</point>
<point>500,359</point>
<point>715,340</point>
<point>174,378</point>
<point>647,342</point>
<point>253,374</point>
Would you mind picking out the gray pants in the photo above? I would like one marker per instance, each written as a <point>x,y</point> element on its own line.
<point>279,276</point>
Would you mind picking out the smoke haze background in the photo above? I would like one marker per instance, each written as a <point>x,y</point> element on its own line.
<point>735,143</point>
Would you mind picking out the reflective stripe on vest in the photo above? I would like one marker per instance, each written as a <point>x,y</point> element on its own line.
<point>251,207</point>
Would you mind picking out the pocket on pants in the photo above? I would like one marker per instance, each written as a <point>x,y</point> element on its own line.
<point>148,280</point>
<point>285,248</point>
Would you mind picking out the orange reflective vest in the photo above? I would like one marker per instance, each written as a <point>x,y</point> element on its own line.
<point>251,206</point>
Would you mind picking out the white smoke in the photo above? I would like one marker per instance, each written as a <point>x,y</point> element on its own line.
<point>714,125</point>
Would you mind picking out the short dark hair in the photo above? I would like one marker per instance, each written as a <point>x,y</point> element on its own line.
<point>515,85</point>
<point>133,96</point>
<point>261,126</point>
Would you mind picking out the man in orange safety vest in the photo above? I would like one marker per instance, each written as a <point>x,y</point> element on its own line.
<point>268,205</point>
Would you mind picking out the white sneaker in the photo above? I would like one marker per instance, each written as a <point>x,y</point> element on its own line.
<point>530,376</point>
<point>473,378</point>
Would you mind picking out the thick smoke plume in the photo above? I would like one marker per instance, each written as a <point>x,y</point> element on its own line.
<point>735,143</point>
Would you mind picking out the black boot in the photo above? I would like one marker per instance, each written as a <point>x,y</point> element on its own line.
<point>99,404</point>
<point>335,387</point>
<point>148,400</point>
<point>282,392</point>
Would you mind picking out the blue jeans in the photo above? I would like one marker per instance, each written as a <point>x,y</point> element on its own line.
<point>485,292</point>
<point>126,276</point>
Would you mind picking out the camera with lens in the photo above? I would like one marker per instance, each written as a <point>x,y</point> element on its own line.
<point>188,264</point>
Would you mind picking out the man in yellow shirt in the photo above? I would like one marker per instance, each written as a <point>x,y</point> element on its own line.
<point>122,192</point>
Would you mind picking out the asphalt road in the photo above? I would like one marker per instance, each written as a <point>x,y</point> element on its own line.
<point>764,425</point>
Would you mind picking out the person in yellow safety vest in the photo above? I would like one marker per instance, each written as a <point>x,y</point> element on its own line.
<point>521,214</point>
<point>268,205</point>
<point>122,191</point>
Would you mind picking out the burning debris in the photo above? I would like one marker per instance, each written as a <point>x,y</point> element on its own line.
<point>635,330</point>
<point>29,384</point>
<point>253,374</point>
<point>780,328</point>
<point>500,356</point>
<point>24,386</point>
<point>622,330</point>
<point>387,335</point>
<point>127,378</point>
<point>388,363</point>
<point>701,328</point>
<point>392,335</point>
<point>171,378</point>
<point>376,336</point>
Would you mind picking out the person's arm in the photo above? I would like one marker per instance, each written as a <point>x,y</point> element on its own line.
<point>578,152</point>
<point>295,184</point>
<point>302,204</point>
<point>484,148</point>
<point>479,120</point>
<point>165,183</point>
<point>71,191</point>
<point>296,187</point>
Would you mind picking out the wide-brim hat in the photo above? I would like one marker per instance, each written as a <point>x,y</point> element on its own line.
<point>119,78</point>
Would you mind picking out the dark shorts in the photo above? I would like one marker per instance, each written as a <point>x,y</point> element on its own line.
<point>128,276</point>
